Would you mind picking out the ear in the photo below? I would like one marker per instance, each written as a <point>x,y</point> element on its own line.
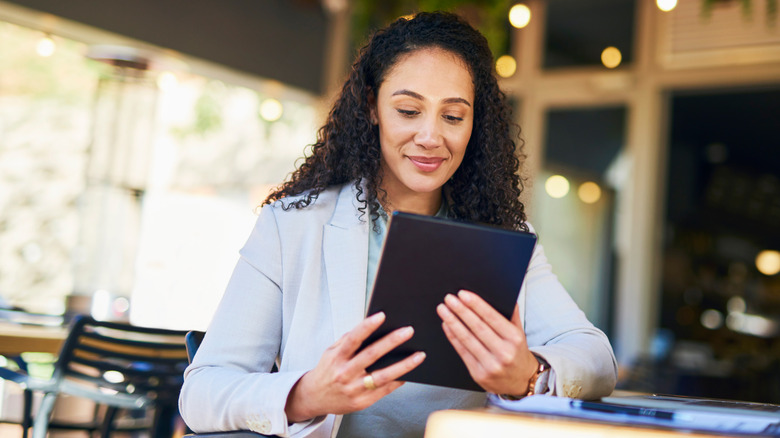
<point>372,111</point>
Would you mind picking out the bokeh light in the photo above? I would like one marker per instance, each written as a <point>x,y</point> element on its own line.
<point>167,81</point>
<point>666,5</point>
<point>589,192</point>
<point>711,319</point>
<point>611,57</point>
<point>45,47</point>
<point>519,16</point>
<point>768,262</point>
<point>506,66</point>
<point>271,110</point>
<point>556,186</point>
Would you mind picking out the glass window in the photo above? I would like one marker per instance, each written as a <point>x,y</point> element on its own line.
<point>720,282</point>
<point>574,200</point>
<point>577,32</point>
<point>126,191</point>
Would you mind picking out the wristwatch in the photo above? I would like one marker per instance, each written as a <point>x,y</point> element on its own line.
<point>537,384</point>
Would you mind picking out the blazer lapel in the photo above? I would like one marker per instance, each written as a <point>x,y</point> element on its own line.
<point>345,248</point>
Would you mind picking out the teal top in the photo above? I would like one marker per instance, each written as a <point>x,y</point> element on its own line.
<point>402,413</point>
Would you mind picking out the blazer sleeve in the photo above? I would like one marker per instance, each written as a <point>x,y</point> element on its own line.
<point>229,385</point>
<point>581,359</point>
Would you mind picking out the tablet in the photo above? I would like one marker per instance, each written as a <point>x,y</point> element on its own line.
<point>423,259</point>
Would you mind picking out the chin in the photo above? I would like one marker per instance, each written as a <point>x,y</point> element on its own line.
<point>425,186</point>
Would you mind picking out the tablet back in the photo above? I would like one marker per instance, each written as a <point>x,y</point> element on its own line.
<point>425,258</point>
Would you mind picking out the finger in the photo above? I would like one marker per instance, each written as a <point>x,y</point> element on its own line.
<point>516,321</point>
<point>462,333</point>
<point>382,346</point>
<point>474,323</point>
<point>391,373</point>
<point>353,339</point>
<point>468,358</point>
<point>486,312</point>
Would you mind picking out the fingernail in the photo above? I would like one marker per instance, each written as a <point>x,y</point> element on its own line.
<point>377,316</point>
<point>450,299</point>
<point>464,295</point>
<point>407,331</point>
<point>419,357</point>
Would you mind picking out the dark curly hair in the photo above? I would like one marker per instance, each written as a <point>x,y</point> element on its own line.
<point>485,188</point>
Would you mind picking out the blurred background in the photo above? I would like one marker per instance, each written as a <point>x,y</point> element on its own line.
<point>138,138</point>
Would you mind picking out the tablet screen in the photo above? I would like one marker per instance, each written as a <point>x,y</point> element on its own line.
<point>425,258</point>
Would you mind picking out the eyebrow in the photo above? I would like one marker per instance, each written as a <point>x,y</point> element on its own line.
<point>420,97</point>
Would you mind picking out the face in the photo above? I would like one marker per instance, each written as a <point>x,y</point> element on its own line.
<point>425,112</point>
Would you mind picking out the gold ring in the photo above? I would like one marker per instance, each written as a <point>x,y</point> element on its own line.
<point>368,382</point>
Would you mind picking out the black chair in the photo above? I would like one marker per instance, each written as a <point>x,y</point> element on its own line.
<point>118,366</point>
<point>192,341</point>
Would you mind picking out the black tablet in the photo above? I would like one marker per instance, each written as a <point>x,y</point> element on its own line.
<point>425,258</point>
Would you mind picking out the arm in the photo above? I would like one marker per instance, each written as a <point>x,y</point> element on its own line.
<point>229,385</point>
<point>582,362</point>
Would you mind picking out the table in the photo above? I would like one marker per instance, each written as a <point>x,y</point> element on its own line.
<point>494,422</point>
<point>20,338</point>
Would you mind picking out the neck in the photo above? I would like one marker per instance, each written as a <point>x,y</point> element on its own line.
<point>419,203</point>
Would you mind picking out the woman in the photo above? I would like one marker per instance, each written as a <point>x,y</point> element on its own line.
<point>420,126</point>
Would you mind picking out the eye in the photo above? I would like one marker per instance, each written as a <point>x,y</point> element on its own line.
<point>452,119</point>
<point>407,113</point>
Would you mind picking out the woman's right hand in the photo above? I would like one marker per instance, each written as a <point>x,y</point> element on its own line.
<point>337,385</point>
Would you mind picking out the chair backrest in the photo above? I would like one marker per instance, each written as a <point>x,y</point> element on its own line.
<point>137,365</point>
<point>192,340</point>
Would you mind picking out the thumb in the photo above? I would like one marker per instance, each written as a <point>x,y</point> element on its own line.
<point>516,317</point>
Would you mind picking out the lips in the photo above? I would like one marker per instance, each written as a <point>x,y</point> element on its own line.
<point>426,164</point>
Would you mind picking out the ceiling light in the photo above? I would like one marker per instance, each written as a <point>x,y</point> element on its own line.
<point>167,81</point>
<point>589,192</point>
<point>611,57</point>
<point>768,262</point>
<point>519,16</point>
<point>556,186</point>
<point>45,46</point>
<point>271,110</point>
<point>506,66</point>
<point>666,5</point>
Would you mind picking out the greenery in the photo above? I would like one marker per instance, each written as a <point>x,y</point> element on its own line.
<point>489,16</point>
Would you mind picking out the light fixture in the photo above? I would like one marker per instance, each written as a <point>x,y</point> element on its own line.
<point>271,110</point>
<point>556,186</point>
<point>611,57</point>
<point>519,16</point>
<point>589,192</point>
<point>506,66</point>
<point>666,5</point>
<point>45,46</point>
<point>768,262</point>
<point>736,305</point>
<point>711,319</point>
<point>167,81</point>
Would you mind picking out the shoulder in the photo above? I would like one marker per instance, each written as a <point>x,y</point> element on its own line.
<point>321,209</point>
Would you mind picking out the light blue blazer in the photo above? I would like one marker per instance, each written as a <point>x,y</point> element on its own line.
<point>300,284</point>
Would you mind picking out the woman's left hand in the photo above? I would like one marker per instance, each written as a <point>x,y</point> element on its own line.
<point>493,348</point>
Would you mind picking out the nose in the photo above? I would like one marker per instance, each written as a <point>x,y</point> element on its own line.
<point>429,134</point>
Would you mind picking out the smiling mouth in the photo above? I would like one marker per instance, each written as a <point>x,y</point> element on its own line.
<point>426,164</point>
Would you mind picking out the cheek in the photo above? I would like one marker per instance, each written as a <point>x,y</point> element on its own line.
<point>394,133</point>
<point>463,143</point>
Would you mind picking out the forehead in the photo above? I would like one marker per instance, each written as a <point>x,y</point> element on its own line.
<point>430,65</point>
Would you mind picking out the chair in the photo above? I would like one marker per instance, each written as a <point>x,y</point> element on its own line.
<point>119,367</point>
<point>192,341</point>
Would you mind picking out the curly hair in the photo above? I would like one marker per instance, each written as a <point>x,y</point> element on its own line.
<point>486,187</point>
